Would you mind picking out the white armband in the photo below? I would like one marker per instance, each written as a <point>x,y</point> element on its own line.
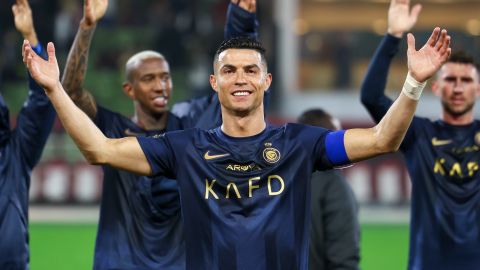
<point>412,88</point>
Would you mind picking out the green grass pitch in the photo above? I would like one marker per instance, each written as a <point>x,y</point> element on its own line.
<point>66,246</point>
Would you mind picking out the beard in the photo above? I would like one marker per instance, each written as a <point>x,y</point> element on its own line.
<point>457,112</point>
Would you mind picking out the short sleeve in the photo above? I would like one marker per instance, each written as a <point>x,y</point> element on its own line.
<point>159,154</point>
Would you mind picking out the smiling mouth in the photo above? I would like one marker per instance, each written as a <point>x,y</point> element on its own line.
<point>160,101</point>
<point>242,93</point>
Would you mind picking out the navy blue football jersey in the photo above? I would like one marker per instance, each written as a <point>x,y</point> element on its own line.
<point>140,224</point>
<point>20,151</point>
<point>245,201</point>
<point>442,161</point>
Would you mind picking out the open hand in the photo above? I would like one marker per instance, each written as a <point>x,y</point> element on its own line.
<point>400,19</point>
<point>45,73</point>
<point>23,17</point>
<point>248,5</point>
<point>93,11</point>
<point>423,63</point>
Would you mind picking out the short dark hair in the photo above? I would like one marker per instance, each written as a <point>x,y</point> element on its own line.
<point>462,57</point>
<point>241,43</point>
<point>317,117</point>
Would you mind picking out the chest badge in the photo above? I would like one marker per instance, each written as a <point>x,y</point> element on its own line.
<point>437,142</point>
<point>271,155</point>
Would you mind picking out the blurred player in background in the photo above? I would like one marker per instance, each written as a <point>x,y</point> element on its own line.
<point>442,155</point>
<point>20,151</point>
<point>140,223</point>
<point>245,185</point>
<point>334,231</point>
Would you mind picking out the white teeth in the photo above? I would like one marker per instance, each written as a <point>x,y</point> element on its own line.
<point>244,93</point>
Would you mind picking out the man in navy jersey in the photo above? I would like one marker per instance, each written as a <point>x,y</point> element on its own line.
<point>244,186</point>
<point>334,230</point>
<point>441,156</point>
<point>20,151</point>
<point>140,222</point>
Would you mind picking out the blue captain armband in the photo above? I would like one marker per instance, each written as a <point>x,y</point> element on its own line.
<point>335,148</point>
<point>38,49</point>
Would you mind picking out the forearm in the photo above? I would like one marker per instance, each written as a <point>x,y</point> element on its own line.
<point>76,65</point>
<point>386,136</point>
<point>373,87</point>
<point>89,139</point>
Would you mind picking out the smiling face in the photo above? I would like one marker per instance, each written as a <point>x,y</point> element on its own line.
<point>149,84</point>
<point>240,80</point>
<point>457,85</point>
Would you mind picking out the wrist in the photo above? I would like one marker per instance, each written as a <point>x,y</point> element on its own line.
<point>31,37</point>
<point>397,34</point>
<point>86,25</point>
<point>413,88</point>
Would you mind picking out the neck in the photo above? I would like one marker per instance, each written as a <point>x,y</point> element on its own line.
<point>148,121</point>
<point>236,125</point>
<point>459,120</point>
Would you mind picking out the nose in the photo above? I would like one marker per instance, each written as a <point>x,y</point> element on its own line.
<point>240,80</point>
<point>458,87</point>
<point>159,85</point>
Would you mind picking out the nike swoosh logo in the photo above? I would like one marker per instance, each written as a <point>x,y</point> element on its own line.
<point>437,142</point>
<point>128,132</point>
<point>207,156</point>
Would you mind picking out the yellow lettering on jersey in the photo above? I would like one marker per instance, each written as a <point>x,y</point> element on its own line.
<point>472,168</point>
<point>456,169</point>
<point>208,189</point>
<point>438,167</point>
<point>234,189</point>
<point>280,180</point>
<point>251,186</point>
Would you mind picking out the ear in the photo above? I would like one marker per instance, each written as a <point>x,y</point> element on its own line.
<point>213,83</point>
<point>436,88</point>
<point>268,81</point>
<point>128,90</point>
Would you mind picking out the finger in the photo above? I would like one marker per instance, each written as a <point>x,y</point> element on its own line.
<point>415,12</point>
<point>441,40</point>
<point>15,10</point>
<point>235,2</point>
<point>446,45</point>
<point>433,38</point>
<point>253,6</point>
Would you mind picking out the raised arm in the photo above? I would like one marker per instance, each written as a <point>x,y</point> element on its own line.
<point>36,118</point>
<point>400,20</point>
<point>387,135</point>
<point>124,153</point>
<point>76,66</point>
<point>241,19</point>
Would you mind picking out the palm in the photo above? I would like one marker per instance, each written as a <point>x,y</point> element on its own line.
<point>45,73</point>
<point>23,17</point>
<point>400,19</point>
<point>423,63</point>
<point>94,10</point>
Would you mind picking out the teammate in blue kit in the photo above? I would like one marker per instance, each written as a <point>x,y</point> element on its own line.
<point>244,186</point>
<point>140,223</point>
<point>441,156</point>
<point>20,151</point>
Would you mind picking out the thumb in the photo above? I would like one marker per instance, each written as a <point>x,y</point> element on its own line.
<point>410,43</point>
<point>415,12</point>
<point>15,10</point>
<point>51,52</point>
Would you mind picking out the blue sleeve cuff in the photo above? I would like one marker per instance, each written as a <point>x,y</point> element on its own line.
<point>38,49</point>
<point>335,148</point>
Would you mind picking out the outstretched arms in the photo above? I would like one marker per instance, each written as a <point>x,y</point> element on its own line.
<point>76,66</point>
<point>35,120</point>
<point>387,135</point>
<point>122,153</point>
<point>400,20</point>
